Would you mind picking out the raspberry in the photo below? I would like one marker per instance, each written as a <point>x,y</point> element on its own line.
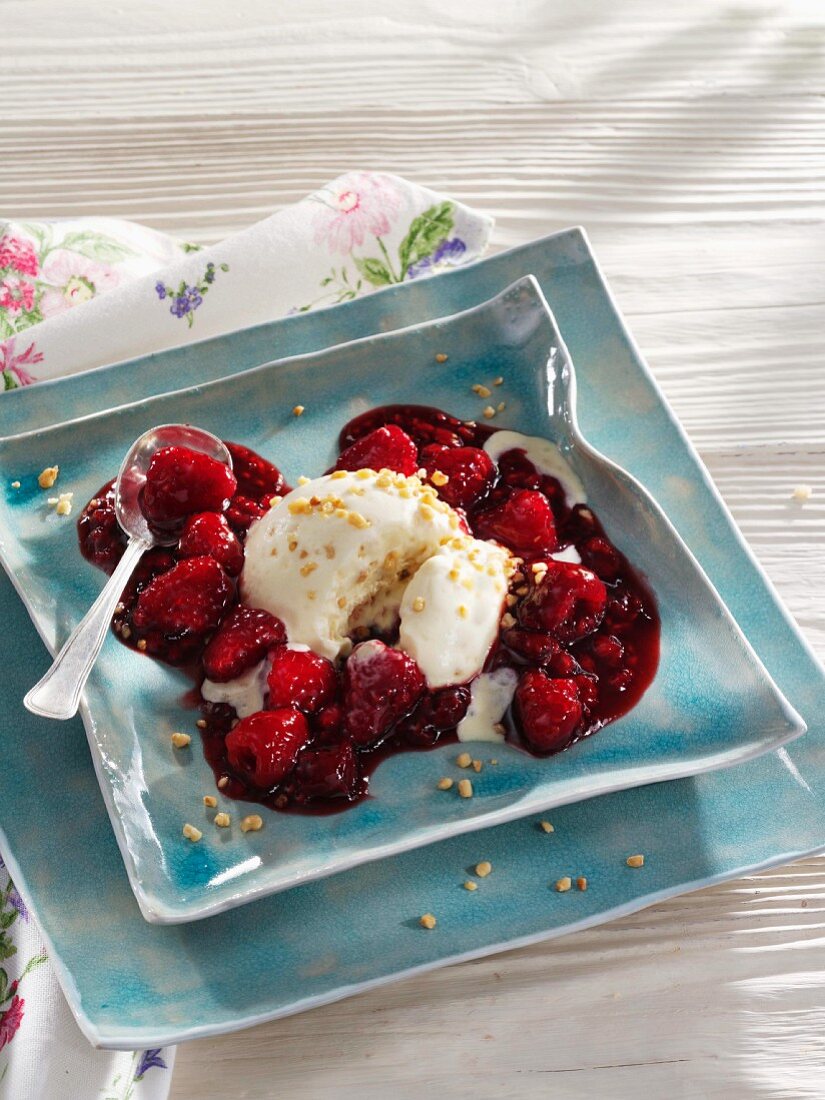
<point>437,712</point>
<point>516,469</point>
<point>327,773</point>
<point>209,533</point>
<point>607,649</point>
<point>597,554</point>
<point>387,448</point>
<point>102,540</point>
<point>569,602</point>
<point>381,685</point>
<point>549,710</point>
<point>242,513</point>
<point>256,477</point>
<point>422,424</point>
<point>189,600</point>
<point>536,649</point>
<point>471,472</point>
<point>523,523</point>
<point>241,641</point>
<point>301,678</point>
<point>264,746</point>
<point>180,482</point>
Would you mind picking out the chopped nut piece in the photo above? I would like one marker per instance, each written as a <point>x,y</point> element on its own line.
<point>482,391</point>
<point>498,381</point>
<point>252,823</point>
<point>223,782</point>
<point>635,861</point>
<point>489,412</point>
<point>427,921</point>
<point>419,603</point>
<point>444,783</point>
<point>477,765</point>
<point>355,519</point>
<point>507,620</point>
<point>511,600</point>
<point>342,602</point>
<point>46,478</point>
<point>484,868</point>
<point>336,475</point>
<point>547,827</point>
<point>210,801</point>
<point>563,884</point>
<point>142,645</point>
<point>494,762</point>
<point>464,760</point>
<point>64,507</point>
<point>470,885</point>
<point>462,611</point>
<point>201,723</point>
<point>15,485</point>
<point>126,632</point>
<point>441,357</point>
<point>802,493</point>
<point>181,740</point>
<point>223,820</point>
<point>501,406</point>
<point>581,882</point>
<point>310,567</point>
<point>275,500</point>
<point>438,478</point>
<point>298,410</point>
<point>465,788</point>
<point>191,833</point>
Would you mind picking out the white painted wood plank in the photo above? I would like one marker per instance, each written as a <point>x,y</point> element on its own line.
<point>690,140</point>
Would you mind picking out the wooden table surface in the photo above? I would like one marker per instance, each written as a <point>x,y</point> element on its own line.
<point>688,139</point>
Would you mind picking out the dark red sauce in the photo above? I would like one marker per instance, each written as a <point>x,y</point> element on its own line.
<point>584,640</point>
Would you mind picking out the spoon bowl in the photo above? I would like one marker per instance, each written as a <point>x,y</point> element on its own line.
<point>57,694</point>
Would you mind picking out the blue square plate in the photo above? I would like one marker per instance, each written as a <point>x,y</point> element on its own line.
<point>134,984</point>
<point>711,704</point>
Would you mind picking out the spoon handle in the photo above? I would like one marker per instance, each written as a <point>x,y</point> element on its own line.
<point>57,695</point>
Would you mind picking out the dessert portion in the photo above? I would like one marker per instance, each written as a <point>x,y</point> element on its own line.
<point>445,580</point>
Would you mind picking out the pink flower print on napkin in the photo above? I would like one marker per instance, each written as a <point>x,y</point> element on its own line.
<point>10,1020</point>
<point>16,294</point>
<point>73,279</point>
<point>354,206</point>
<point>13,367</point>
<point>18,254</point>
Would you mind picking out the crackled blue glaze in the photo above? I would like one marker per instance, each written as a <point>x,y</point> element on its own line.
<point>711,703</point>
<point>135,984</point>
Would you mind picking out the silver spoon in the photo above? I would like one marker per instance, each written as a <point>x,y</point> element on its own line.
<point>57,695</point>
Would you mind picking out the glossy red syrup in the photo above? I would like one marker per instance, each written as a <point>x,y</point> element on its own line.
<point>584,640</point>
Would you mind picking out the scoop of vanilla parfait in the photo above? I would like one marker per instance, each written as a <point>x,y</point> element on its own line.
<point>364,548</point>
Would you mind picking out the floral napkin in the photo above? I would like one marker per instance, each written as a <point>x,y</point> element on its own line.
<point>141,292</point>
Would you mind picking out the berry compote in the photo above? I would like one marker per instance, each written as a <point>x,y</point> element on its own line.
<point>582,636</point>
